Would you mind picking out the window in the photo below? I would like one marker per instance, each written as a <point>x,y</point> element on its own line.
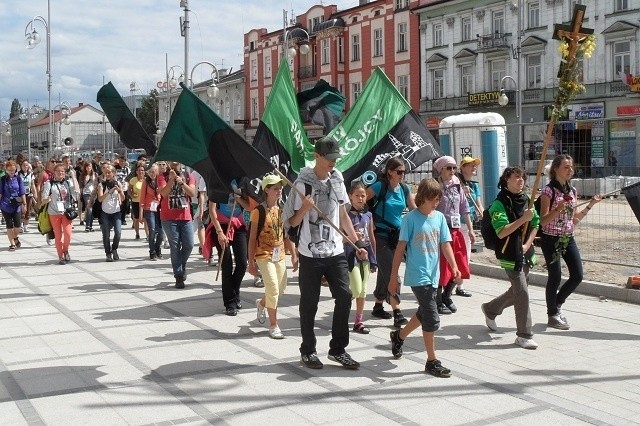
<point>313,22</point>
<point>377,42</point>
<point>466,28</point>
<point>437,34</point>
<point>401,4</point>
<point>227,110</point>
<point>534,71</point>
<point>355,47</point>
<point>402,37</point>
<point>403,85</point>
<point>498,22</point>
<point>622,57</point>
<point>341,49</point>
<point>254,69</point>
<point>534,14</point>
<point>325,51</point>
<point>621,5</point>
<point>497,72</point>
<point>254,108</point>
<point>437,77</point>
<point>238,107</point>
<point>467,79</point>
<point>267,66</point>
<point>356,89</point>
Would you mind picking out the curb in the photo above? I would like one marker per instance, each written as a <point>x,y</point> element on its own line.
<point>590,288</point>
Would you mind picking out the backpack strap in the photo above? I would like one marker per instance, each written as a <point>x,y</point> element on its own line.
<point>262,215</point>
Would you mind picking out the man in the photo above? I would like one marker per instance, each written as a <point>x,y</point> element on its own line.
<point>72,179</point>
<point>96,162</point>
<point>197,207</point>
<point>321,251</point>
<point>122,171</point>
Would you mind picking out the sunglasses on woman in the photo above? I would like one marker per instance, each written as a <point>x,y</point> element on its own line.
<point>400,172</point>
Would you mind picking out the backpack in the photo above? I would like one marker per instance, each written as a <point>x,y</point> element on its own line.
<point>488,232</point>
<point>538,204</point>
<point>373,202</point>
<point>294,231</point>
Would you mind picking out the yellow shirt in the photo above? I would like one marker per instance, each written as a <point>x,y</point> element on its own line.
<point>136,185</point>
<point>272,234</point>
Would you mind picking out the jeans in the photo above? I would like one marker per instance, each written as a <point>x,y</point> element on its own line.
<point>180,237</point>
<point>518,297</point>
<point>384,256</point>
<point>232,278</point>
<point>108,221</point>
<point>335,270</point>
<point>155,230</point>
<point>88,211</point>
<point>573,260</point>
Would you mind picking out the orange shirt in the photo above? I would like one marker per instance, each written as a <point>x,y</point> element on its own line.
<point>272,234</point>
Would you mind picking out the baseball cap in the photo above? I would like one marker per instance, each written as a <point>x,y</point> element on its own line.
<point>270,180</point>
<point>468,160</point>
<point>328,148</point>
<point>444,161</point>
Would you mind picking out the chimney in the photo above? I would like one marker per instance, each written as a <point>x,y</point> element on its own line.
<point>363,2</point>
<point>80,104</point>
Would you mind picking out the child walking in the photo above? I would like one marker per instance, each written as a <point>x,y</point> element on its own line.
<point>359,269</point>
<point>266,252</point>
<point>427,230</point>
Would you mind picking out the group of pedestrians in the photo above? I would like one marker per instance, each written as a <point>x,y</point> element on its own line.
<point>333,233</point>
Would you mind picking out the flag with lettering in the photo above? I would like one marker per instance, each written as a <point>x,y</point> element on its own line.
<point>280,136</point>
<point>122,120</point>
<point>197,137</point>
<point>322,105</point>
<point>381,125</point>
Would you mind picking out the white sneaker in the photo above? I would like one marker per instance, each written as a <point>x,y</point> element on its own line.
<point>276,333</point>
<point>491,323</point>
<point>260,314</point>
<point>258,282</point>
<point>526,343</point>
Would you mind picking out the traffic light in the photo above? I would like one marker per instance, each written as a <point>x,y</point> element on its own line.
<point>68,141</point>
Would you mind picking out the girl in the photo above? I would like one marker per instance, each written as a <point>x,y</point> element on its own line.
<point>111,195</point>
<point>558,217</point>
<point>88,182</point>
<point>135,185</point>
<point>150,211</point>
<point>26,174</point>
<point>12,201</point>
<point>57,193</point>
<point>359,269</point>
<point>267,252</point>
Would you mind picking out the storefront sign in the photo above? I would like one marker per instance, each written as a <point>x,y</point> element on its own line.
<point>483,98</point>
<point>631,81</point>
<point>433,122</point>
<point>628,110</point>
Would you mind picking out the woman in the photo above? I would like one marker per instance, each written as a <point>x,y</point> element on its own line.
<point>28,182</point>
<point>453,205</point>
<point>88,183</point>
<point>231,236</point>
<point>471,188</point>
<point>510,212</point>
<point>47,174</point>
<point>135,185</point>
<point>150,211</point>
<point>391,196</point>
<point>57,193</point>
<point>111,195</point>
<point>558,217</point>
<point>12,201</point>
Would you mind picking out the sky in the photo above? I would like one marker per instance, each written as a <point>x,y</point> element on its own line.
<point>97,41</point>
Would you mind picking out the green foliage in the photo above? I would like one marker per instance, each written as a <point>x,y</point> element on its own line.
<point>16,108</point>
<point>148,112</point>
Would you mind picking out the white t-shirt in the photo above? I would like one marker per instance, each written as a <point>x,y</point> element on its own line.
<point>201,186</point>
<point>317,238</point>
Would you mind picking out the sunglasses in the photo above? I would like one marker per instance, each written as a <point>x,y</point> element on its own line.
<point>451,168</point>
<point>400,172</point>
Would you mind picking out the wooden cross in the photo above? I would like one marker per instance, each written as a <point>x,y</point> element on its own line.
<point>573,33</point>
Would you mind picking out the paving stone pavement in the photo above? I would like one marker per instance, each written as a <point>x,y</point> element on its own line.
<point>92,342</point>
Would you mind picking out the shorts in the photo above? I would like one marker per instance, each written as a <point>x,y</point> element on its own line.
<point>13,220</point>
<point>135,210</point>
<point>427,312</point>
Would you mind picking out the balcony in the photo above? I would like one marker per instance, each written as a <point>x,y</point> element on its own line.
<point>308,71</point>
<point>493,42</point>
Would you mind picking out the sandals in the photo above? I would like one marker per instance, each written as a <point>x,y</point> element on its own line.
<point>360,328</point>
<point>17,242</point>
<point>435,368</point>
<point>12,248</point>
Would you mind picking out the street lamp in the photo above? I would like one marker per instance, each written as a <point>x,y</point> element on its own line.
<point>184,32</point>
<point>212,90</point>
<point>65,111</point>
<point>503,100</point>
<point>160,129</point>
<point>32,39</point>
<point>132,88</point>
<point>295,35</point>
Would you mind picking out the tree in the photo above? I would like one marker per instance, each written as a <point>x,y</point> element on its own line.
<point>148,112</point>
<point>16,109</point>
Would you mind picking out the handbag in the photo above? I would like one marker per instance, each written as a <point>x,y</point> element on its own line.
<point>70,213</point>
<point>44,223</point>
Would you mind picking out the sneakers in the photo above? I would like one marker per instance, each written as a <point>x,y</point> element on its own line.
<point>109,257</point>
<point>396,344</point>
<point>443,310</point>
<point>61,261</point>
<point>560,313</point>
<point>114,254</point>
<point>231,311</point>
<point>379,312</point>
<point>346,361</point>
<point>526,343</point>
<point>435,368</point>
<point>137,236</point>
<point>66,256</point>
<point>491,323</point>
<point>179,282</point>
<point>555,321</point>
<point>462,292</point>
<point>258,282</point>
<point>276,333</point>
<point>152,256</point>
<point>398,319</point>
<point>166,244</point>
<point>260,312</point>
<point>311,360</point>
<point>159,254</point>
<point>360,328</point>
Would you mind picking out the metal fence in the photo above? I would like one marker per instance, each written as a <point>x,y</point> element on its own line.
<point>606,157</point>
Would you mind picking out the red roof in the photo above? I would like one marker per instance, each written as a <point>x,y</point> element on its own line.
<point>57,116</point>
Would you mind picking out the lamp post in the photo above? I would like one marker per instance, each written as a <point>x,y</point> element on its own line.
<point>159,129</point>
<point>65,112</point>
<point>184,32</point>
<point>296,34</point>
<point>172,82</point>
<point>503,100</point>
<point>212,90</point>
<point>32,39</point>
<point>132,89</point>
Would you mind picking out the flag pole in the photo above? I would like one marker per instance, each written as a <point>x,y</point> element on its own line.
<point>317,209</point>
<point>224,251</point>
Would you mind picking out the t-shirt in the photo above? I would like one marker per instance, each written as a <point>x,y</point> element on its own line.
<point>201,186</point>
<point>136,186</point>
<point>10,187</point>
<point>423,235</point>
<point>111,202</point>
<point>317,237</point>
<point>148,193</point>
<point>563,222</point>
<point>394,204</point>
<point>176,205</point>
<point>474,193</point>
<point>272,234</point>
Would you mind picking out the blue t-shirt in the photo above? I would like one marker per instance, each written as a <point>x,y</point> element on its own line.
<point>423,235</point>
<point>394,204</point>
<point>474,193</point>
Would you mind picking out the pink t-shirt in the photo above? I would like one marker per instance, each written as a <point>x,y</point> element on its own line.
<point>176,206</point>
<point>563,223</point>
